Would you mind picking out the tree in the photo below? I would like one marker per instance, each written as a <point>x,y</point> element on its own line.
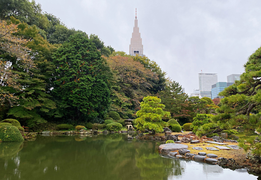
<point>129,84</point>
<point>33,101</point>
<point>175,100</point>
<point>81,80</point>
<point>150,115</point>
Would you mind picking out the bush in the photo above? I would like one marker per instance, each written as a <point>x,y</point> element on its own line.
<point>114,126</point>
<point>11,134</point>
<point>79,127</point>
<point>5,124</point>
<point>169,141</point>
<point>187,126</point>
<point>122,122</point>
<point>14,122</point>
<point>114,115</point>
<point>88,125</point>
<point>172,122</point>
<point>200,120</point>
<point>176,128</point>
<point>108,121</point>
<point>64,127</point>
<point>97,126</point>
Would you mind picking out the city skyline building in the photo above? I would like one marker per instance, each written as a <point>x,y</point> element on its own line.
<point>206,80</point>
<point>136,46</point>
<point>233,77</point>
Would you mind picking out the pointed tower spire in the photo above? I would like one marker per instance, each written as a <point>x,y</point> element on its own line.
<point>136,46</point>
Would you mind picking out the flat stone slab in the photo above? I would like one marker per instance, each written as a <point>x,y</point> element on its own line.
<point>189,155</point>
<point>211,161</point>
<point>199,158</point>
<point>222,147</point>
<point>202,153</point>
<point>194,141</point>
<point>212,149</point>
<point>180,157</point>
<point>166,148</point>
<point>218,143</point>
<point>173,153</point>
<point>197,148</point>
<point>233,146</point>
<point>212,155</point>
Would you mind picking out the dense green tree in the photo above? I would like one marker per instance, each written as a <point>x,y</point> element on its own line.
<point>81,80</point>
<point>175,100</point>
<point>150,115</point>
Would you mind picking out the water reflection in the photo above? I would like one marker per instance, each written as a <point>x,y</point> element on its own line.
<point>109,157</point>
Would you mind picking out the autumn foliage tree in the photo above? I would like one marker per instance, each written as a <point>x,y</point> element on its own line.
<point>130,83</point>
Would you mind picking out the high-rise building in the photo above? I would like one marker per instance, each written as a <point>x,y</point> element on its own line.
<point>217,88</point>
<point>206,80</point>
<point>233,77</point>
<point>136,46</point>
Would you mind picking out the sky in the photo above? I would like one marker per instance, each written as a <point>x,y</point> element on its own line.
<point>184,37</point>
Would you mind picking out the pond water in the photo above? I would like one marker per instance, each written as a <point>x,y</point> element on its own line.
<point>110,157</point>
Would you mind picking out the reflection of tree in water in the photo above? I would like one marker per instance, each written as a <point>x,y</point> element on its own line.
<point>153,166</point>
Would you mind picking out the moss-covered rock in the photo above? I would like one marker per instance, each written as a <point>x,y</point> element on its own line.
<point>13,122</point>
<point>64,127</point>
<point>5,124</point>
<point>10,134</point>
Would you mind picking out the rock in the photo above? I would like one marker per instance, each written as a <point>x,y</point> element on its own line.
<point>223,135</point>
<point>234,137</point>
<point>124,132</point>
<point>185,140</point>
<point>202,153</point>
<point>183,151</point>
<point>167,133</point>
<point>105,132</point>
<point>212,155</point>
<point>128,120</point>
<point>216,137</point>
<point>166,148</point>
<point>189,155</point>
<point>179,156</point>
<point>194,141</point>
<point>213,142</point>
<point>95,132</point>
<point>173,153</point>
<point>222,147</point>
<point>166,129</point>
<point>199,158</point>
<point>163,138</point>
<point>172,137</point>
<point>130,138</point>
<point>45,132</point>
<point>211,161</point>
<point>197,148</point>
<point>212,149</point>
<point>233,146</point>
<point>178,142</point>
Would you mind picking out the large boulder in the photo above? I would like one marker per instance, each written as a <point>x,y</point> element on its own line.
<point>10,134</point>
<point>166,148</point>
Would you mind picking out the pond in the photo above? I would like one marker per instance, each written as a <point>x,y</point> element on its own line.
<point>110,157</point>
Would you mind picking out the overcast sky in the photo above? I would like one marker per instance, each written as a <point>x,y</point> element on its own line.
<point>184,37</point>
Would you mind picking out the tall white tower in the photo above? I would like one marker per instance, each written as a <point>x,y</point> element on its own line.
<point>136,46</point>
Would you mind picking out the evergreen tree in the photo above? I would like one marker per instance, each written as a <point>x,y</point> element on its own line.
<point>81,82</point>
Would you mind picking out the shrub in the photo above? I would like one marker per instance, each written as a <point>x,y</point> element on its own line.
<point>122,122</point>
<point>79,127</point>
<point>231,131</point>
<point>169,141</point>
<point>200,120</point>
<point>10,133</point>
<point>176,128</point>
<point>187,126</point>
<point>64,127</point>
<point>172,122</point>
<point>14,122</point>
<point>88,125</point>
<point>97,126</point>
<point>114,115</point>
<point>5,124</point>
<point>108,121</point>
<point>114,126</point>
